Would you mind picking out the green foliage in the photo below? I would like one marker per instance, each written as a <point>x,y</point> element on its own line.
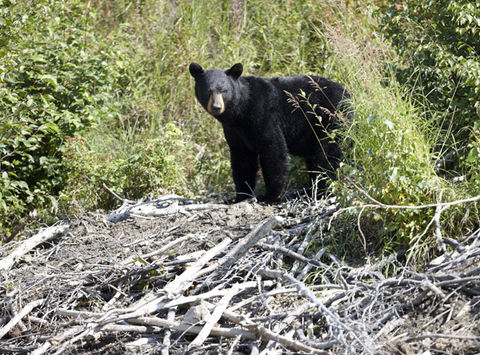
<point>53,83</point>
<point>391,162</point>
<point>472,159</point>
<point>96,93</point>
<point>392,165</point>
<point>439,42</point>
<point>387,146</point>
<point>144,168</point>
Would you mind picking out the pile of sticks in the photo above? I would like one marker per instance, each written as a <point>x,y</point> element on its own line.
<point>256,293</point>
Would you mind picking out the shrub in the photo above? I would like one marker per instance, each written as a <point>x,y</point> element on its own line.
<point>440,46</point>
<point>391,162</point>
<point>55,80</point>
<point>132,171</point>
<point>388,147</point>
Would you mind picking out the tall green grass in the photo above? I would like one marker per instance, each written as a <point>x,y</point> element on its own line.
<point>390,164</point>
<point>158,40</point>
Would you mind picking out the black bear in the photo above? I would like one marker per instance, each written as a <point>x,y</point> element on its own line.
<point>268,118</point>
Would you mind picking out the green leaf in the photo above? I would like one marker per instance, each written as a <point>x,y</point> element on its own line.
<point>38,59</point>
<point>50,79</point>
<point>140,260</point>
<point>52,127</point>
<point>22,184</point>
<point>473,155</point>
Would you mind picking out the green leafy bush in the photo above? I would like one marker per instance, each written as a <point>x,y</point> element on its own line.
<point>439,42</point>
<point>55,80</point>
<point>145,168</point>
<point>472,160</point>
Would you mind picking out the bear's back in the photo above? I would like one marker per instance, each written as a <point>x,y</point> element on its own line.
<point>322,87</point>
<point>311,93</point>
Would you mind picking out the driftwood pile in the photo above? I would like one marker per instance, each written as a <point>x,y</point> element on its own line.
<point>175,276</point>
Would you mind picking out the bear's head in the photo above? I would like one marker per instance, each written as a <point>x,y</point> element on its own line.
<point>214,88</point>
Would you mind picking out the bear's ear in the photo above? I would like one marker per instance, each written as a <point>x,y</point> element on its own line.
<point>235,71</point>
<point>195,69</point>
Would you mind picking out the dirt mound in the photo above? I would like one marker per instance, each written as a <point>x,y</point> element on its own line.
<point>174,276</point>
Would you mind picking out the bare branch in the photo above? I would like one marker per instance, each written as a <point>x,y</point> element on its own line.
<point>29,244</point>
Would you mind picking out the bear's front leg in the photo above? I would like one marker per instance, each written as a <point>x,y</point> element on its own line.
<point>244,170</point>
<point>274,162</point>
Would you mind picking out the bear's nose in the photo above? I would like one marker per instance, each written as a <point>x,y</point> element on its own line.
<point>216,109</point>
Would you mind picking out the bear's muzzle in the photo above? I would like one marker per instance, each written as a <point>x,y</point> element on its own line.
<point>216,106</point>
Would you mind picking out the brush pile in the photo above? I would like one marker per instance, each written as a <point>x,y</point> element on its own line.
<point>173,276</point>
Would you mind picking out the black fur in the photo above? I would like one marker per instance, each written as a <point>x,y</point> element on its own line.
<point>265,119</point>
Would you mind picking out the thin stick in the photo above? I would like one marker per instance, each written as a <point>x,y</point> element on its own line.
<point>438,227</point>
<point>23,312</point>
<point>124,200</point>
<point>168,332</point>
<point>446,336</point>
<point>164,248</point>
<point>217,313</point>
<point>215,331</point>
<point>303,245</point>
<point>308,267</point>
<point>410,207</point>
<point>292,254</point>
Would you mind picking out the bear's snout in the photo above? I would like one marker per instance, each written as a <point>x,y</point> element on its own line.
<point>216,106</point>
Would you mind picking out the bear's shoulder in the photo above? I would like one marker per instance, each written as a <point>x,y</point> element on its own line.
<point>257,85</point>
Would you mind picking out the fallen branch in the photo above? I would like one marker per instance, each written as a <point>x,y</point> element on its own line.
<point>214,293</point>
<point>182,282</point>
<point>217,313</point>
<point>39,238</point>
<point>160,207</point>
<point>268,334</point>
<point>171,290</point>
<point>445,336</point>
<point>23,312</point>
<point>249,241</point>
<point>193,329</point>
<point>166,247</point>
<point>168,332</point>
<point>292,254</point>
